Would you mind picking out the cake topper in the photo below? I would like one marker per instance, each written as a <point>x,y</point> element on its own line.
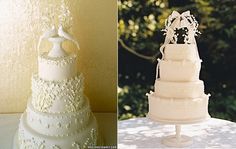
<point>180,28</point>
<point>57,36</point>
<point>57,14</point>
<point>67,36</point>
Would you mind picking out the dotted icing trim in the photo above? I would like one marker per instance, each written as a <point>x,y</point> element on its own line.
<point>32,143</point>
<point>58,61</point>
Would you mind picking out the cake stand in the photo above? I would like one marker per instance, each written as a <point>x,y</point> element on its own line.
<point>177,140</point>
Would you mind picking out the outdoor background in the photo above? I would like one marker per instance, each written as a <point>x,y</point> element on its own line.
<point>139,25</point>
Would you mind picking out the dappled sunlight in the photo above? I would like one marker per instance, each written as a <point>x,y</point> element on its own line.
<point>144,133</point>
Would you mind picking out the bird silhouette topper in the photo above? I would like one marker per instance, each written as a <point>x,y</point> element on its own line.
<point>181,28</point>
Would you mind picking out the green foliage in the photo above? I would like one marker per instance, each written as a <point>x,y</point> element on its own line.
<point>132,101</point>
<point>140,22</point>
<point>223,107</point>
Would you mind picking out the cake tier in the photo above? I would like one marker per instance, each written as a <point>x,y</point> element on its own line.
<point>57,68</point>
<point>181,52</point>
<point>31,139</point>
<point>178,111</point>
<point>180,70</point>
<point>57,96</point>
<point>179,89</point>
<point>58,124</point>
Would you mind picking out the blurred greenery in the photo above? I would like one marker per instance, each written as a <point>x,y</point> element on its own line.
<point>140,23</point>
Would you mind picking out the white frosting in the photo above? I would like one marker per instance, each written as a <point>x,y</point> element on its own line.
<point>46,125</point>
<point>57,68</point>
<point>179,70</point>
<point>57,96</point>
<point>180,52</point>
<point>58,115</point>
<point>33,139</point>
<point>179,89</point>
<point>58,124</point>
<point>186,110</point>
<point>179,94</point>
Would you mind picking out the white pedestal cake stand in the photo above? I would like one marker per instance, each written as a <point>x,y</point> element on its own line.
<point>177,140</point>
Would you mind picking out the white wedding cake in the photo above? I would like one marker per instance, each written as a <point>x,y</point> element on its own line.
<point>178,96</point>
<point>58,115</point>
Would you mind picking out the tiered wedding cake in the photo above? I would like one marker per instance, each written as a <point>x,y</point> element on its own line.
<point>58,114</point>
<point>179,96</point>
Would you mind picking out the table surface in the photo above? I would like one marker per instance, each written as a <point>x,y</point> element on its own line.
<point>9,123</point>
<point>144,133</point>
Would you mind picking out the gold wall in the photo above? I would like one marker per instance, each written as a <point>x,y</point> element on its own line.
<point>95,27</point>
<point>97,31</point>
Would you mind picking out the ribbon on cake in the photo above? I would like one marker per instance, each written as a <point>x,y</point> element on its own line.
<point>158,67</point>
<point>180,20</point>
<point>54,32</point>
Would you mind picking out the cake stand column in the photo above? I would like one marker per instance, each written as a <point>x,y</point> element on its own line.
<point>177,140</point>
<point>178,130</point>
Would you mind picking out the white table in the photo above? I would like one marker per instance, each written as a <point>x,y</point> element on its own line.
<point>144,133</point>
<point>9,124</point>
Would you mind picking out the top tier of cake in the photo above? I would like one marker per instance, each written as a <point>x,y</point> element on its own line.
<point>56,64</point>
<point>57,68</point>
<point>180,52</point>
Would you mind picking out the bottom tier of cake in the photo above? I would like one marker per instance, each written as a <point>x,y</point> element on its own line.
<point>30,139</point>
<point>178,111</point>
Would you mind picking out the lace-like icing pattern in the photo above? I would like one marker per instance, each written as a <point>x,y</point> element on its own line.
<point>45,93</point>
<point>43,58</point>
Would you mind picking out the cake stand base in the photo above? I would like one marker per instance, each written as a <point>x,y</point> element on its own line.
<point>177,140</point>
<point>173,141</point>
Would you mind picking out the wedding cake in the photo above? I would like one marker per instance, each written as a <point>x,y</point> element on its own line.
<point>178,96</point>
<point>58,114</point>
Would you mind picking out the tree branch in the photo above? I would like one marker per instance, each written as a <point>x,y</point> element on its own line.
<point>150,58</point>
